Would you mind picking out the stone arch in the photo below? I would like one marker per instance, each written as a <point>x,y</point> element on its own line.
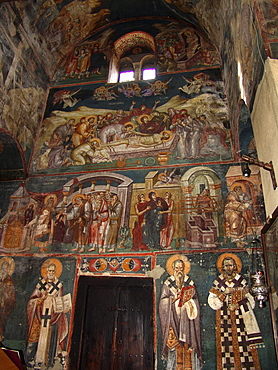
<point>125,43</point>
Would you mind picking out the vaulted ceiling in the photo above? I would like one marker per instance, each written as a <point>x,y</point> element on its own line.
<point>55,27</point>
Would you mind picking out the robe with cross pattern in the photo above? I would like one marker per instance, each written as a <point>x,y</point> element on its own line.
<point>35,315</point>
<point>237,331</point>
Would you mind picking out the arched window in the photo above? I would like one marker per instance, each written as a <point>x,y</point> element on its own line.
<point>126,70</point>
<point>148,69</point>
<point>133,58</point>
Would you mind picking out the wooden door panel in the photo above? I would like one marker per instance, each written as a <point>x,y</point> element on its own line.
<point>115,328</point>
<point>98,314</point>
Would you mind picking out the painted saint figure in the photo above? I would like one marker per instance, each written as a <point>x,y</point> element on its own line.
<point>179,313</point>
<point>43,232</point>
<point>7,292</point>
<point>137,232</point>
<point>166,234</point>
<point>237,203</point>
<point>47,322</point>
<point>115,209</point>
<point>237,331</point>
<point>78,220</point>
<point>99,223</point>
<point>154,220</point>
<point>205,204</point>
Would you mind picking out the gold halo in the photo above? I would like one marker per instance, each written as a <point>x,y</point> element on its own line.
<point>151,191</point>
<point>162,176</point>
<point>139,119</point>
<point>78,196</point>
<point>51,196</point>
<point>172,259</point>
<point>11,263</point>
<point>52,261</point>
<point>230,255</point>
<point>96,139</point>
<point>169,133</point>
<point>130,124</point>
<point>238,183</point>
<point>92,116</point>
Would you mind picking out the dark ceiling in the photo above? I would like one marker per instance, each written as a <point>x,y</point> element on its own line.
<point>125,9</point>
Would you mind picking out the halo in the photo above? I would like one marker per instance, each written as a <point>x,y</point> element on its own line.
<point>239,183</point>
<point>34,204</point>
<point>162,176</point>
<point>139,119</point>
<point>230,255</point>
<point>169,133</point>
<point>151,191</point>
<point>92,116</point>
<point>172,259</point>
<point>96,139</point>
<point>130,124</point>
<point>50,196</point>
<point>11,263</point>
<point>78,196</point>
<point>52,261</point>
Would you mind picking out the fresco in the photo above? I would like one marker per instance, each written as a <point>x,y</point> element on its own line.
<point>47,57</point>
<point>7,266</point>
<point>66,24</point>
<point>23,86</point>
<point>39,306</point>
<point>176,48</point>
<point>46,309</point>
<point>10,148</point>
<point>117,265</point>
<point>189,279</point>
<point>179,299</point>
<point>266,12</point>
<point>147,210</point>
<point>63,25</point>
<point>234,304</point>
<point>174,120</point>
<point>135,179</point>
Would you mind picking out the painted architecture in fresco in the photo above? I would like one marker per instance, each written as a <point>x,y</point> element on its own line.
<point>138,179</point>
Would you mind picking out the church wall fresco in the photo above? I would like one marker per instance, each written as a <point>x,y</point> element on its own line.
<point>196,209</point>
<point>126,179</point>
<point>202,268</point>
<point>23,85</point>
<point>174,119</point>
<point>20,41</point>
<point>176,47</point>
<point>20,293</point>
<point>266,12</point>
<point>209,211</point>
<point>246,39</point>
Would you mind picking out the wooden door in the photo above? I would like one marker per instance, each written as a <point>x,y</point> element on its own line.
<point>113,324</point>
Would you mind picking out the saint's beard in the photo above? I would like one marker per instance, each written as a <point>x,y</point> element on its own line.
<point>230,275</point>
<point>179,277</point>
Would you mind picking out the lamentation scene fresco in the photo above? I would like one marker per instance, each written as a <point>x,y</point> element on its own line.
<point>124,204</point>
